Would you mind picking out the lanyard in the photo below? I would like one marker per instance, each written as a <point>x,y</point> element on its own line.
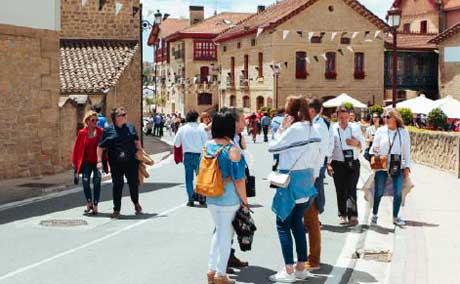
<point>340,137</point>
<point>394,139</point>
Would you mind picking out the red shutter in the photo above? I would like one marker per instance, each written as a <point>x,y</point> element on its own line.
<point>204,73</point>
<point>423,27</point>
<point>359,66</point>
<point>232,69</point>
<point>331,72</point>
<point>406,28</point>
<point>300,65</point>
<point>246,67</point>
<point>261,65</point>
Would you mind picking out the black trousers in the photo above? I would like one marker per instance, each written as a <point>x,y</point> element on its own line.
<point>345,180</point>
<point>265,129</point>
<point>130,170</point>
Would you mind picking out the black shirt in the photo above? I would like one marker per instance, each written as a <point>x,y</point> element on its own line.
<point>119,142</point>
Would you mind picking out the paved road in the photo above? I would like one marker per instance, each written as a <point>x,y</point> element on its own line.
<point>167,245</point>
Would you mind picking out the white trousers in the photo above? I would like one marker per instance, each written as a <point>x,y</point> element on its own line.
<point>222,238</point>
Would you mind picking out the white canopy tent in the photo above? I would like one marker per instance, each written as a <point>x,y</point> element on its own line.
<point>420,104</point>
<point>344,98</point>
<point>450,106</point>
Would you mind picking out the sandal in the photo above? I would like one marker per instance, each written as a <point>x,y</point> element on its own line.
<point>95,211</point>
<point>89,207</point>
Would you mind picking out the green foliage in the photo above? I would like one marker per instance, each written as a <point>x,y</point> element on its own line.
<point>160,101</point>
<point>348,106</point>
<point>406,115</point>
<point>437,118</point>
<point>376,109</point>
<point>266,109</point>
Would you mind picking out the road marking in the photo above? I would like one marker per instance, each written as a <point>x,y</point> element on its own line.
<point>70,251</point>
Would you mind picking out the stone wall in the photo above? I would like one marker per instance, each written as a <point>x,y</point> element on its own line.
<point>88,21</point>
<point>29,95</point>
<point>438,150</point>
<point>127,92</point>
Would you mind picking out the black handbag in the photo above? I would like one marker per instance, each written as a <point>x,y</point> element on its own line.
<point>244,227</point>
<point>76,176</point>
<point>250,183</point>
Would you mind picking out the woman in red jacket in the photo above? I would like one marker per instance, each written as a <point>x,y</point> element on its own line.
<point>84,160</point>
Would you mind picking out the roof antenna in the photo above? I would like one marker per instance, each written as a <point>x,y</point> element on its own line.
<point>215,8</point>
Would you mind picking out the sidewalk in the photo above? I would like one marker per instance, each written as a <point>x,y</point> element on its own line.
<point>17,190</point>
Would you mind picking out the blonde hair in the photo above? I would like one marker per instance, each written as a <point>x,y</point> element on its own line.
<point>203,116</point>
<point>88,115</point>
<point>396,115</point>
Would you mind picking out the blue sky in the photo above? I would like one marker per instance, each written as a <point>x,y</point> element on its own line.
<point>179,8</point>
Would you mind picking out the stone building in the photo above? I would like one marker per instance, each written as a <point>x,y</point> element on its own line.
<point>29,89</point>
<point>188,70</point>
<point>58,59</point>
<point>291,49</point>
<point>449,61</point>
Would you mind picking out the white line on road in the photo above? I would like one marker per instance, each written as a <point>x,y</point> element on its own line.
<point>70,251</point>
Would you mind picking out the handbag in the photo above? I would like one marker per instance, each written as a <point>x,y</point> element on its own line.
<point>379,162</point>
<point>178,155</point>
<point>250,183</point>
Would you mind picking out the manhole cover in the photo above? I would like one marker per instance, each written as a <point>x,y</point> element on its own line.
<point>63,223</point>
<point>376,255</point>
<point>38,185</point>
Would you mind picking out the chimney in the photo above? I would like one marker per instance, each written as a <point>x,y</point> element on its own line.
<point>260,9</point>
<point>196,14</point>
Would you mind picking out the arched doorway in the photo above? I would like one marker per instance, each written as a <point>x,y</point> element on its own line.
<point>246,102</point>
<point>260,102</point>
<point>270,102</point>
<point>232,100</point>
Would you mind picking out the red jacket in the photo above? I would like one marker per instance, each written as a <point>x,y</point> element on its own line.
<point>80,144</point>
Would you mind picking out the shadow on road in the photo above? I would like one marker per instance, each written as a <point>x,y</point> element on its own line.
<point>70,201</point>
<point>358,229</point>
<point>419,224</point>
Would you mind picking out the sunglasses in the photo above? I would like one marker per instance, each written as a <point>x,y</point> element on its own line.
<point>121,115</point>
<point>387,117</point>
<point>94,119</point>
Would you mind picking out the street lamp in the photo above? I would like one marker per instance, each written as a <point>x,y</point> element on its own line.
<point>276,68</point>
<point>394,20</point>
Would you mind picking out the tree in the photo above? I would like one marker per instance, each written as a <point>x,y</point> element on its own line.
<point>149,102</point>
<point>376,109</point>
<point>348,106</point>
<point>406,115</point>
<point>437,118</point>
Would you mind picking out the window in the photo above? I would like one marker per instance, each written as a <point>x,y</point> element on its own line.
<point>225,48</point>
<point>406,28</point>
<point>204,50</point>
<point>253,42</point>
<point>238,45</point>
<point>359,65</point>
<point>232,69</point>
<point>261,65</point>
<point>232,100</point>
<point>423,27</point>
<point>204,73</point>
<point>260,101</point>
<point>331,72</point>
<point>316,39</point>
<point>246,102</point>
<point>345,40</point>
<point>205,99</point>
<point>300,65</point>
<point>246,67</point>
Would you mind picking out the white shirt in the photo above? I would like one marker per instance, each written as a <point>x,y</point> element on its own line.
<point>401,145</point>
<point>191,137</point>
<point>292,146</point>
<point>208,132</point>
<point>340,142</point>
<point>321,126</point>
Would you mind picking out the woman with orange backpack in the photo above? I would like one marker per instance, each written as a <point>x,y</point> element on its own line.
<point>224,206</point>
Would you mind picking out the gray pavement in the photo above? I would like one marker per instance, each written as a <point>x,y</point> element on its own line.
<point>168,244</point>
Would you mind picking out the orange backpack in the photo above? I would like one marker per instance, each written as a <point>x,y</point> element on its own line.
<point>209,181</point>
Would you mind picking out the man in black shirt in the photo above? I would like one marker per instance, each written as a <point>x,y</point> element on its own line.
<point>121,142</point>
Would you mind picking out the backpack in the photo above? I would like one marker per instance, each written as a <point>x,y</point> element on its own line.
<point>209,181</point>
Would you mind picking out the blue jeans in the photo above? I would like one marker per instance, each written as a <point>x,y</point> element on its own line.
<point>191,164</point>
<point>86,171</point>
<point>319,184</point>
<point>380,182</point>
<point>294,223</point>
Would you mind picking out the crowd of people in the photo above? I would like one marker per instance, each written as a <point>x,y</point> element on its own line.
<point>304,144</point>
<point>158,122</point>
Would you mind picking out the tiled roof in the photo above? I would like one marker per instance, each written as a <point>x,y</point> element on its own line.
<point>284,10</point>
<point>92,66</point>
<point>411,41</point>
<point>171,26</point>
<point>397,3</point>
<point>218,23</point>
<point>455,29</point>
<point>452,4</point>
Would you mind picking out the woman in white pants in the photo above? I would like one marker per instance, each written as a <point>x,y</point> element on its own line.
<point>224,208</point>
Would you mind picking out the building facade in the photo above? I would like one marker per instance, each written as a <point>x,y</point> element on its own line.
<point>289,49</point>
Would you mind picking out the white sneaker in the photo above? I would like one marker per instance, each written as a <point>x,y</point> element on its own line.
<point>398,221</point>
<point>302,274</point>
<point>374,219</point>
<point>283,277</point>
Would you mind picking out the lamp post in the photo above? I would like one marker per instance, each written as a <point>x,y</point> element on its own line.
<point>394,20</point>
<point>276,68</point>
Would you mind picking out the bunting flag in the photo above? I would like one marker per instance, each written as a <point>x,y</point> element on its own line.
<point>316,58</point>
<point>355,34</point>
<point>310,35</point>
<point>324,56</point>
<point>376,34</point>
<point>340,51</point>
<point>307,60</point>
<point>300,33</point>
<point>259,31</point>
<point>350,48</point>
<point>333,35</point>
<point>118,7</point>
<point>83,2</point>
<point>285,34</point>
